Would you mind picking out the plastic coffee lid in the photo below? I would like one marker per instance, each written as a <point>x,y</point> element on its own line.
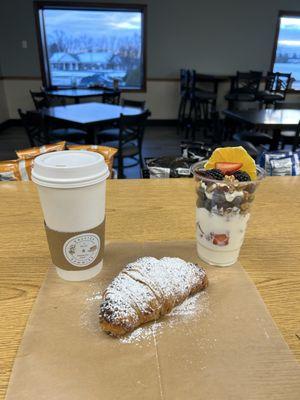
<point>69,169</point>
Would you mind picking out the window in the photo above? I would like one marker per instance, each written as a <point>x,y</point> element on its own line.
<point>91,45</point>
<point>286,57</point>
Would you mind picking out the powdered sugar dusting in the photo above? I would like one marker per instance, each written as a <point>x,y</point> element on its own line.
<point>143,333</point>
<point>190,309</point>
<point>196,304</point>
<point>147,289</point>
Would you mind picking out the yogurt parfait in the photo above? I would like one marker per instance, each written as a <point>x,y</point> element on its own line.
<point>225,187</point>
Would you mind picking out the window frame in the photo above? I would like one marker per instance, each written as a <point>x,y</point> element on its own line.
<point>41,39</point>
<point>282,13</point>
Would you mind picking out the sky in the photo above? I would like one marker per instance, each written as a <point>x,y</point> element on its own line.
<point>289,34</point>
<point>92,23</point>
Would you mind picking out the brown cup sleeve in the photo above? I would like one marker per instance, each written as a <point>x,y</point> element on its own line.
<point>76,251</point>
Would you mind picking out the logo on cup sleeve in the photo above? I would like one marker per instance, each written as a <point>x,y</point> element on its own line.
<point>82,250</point>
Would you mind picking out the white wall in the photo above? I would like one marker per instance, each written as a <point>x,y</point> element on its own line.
<point>211,36</point>
<point>162,98</point>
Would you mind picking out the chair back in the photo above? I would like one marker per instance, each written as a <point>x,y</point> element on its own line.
<point>185,81</point>
<point>278,82</point>
<point>218,132</point>
<point>133,103</point>
<point>111,97</point>
<point>193,82</point>
<point>207,82</point>
<point>246,82</point>
<point>296,143</point>
<point>40,100</point>
<point>134,125</point>
<point>33,124</point>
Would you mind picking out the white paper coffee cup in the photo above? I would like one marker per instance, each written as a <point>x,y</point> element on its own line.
<point>72,186</point>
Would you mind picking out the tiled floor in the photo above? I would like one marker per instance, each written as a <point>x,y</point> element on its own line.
<point>158,141</point>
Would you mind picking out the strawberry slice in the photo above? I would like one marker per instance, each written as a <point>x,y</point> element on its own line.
<point>228,168</point>
<point>221,239</point>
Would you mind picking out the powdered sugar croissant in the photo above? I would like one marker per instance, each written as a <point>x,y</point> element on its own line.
<point>147,289</point>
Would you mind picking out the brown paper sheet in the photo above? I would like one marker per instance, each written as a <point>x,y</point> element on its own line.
<point>230,349</point>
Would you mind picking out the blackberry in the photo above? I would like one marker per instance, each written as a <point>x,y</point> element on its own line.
<point>242,176</point>
<point>214,174</point>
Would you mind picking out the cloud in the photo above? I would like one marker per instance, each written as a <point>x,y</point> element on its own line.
<point>290,23</point>
<point>131,22</point>
<point>92,23</point>
<point>289,42</point>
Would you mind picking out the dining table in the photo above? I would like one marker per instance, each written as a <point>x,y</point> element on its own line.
<point>74,94</point>
<point>151,210</point>
<point>267,119</point>
<point>88,117</point>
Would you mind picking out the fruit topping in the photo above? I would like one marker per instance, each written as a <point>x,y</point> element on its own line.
<point>214,174</point>
<point>228,168</point>
<point>221,239</point>
<point>235,155</point>
<point>242,176</point>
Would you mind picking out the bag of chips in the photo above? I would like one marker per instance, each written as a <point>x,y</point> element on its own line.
<point>9,171</point>
<point>16,170</point>
<point>280,162</point>
<point>36,151</point>
<point>107,152</point>
<point>196,150</point>
<point>20,169</point>
<point>285,166</point>
<point>266,156</point>
<point>168,167</point>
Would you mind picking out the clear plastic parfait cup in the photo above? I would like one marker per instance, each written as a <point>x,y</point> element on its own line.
<point>222,213</point>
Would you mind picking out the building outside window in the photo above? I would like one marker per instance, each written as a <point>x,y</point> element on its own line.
<point>286,57</point>
<point>95,46</point>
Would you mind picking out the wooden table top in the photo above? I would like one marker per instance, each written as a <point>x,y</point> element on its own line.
<point>151,210</point>
<point>75,93</point>
<point>281,119</point>
<point>89,113</point>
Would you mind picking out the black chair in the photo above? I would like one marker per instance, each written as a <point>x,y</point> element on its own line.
<point>33,124</point>
<point>111,134</point>
<point>111,97</point>
<point>40,132</point>
<point>296,143</point>
<point>183,117</point>
<point>276,87</point>
<point>40,100</point>
<point>200,81</point>
<point>70,135</point>
<point>57,131</point>
<point>133,103</point>
<point>291,138</point>
<point>196,103</point>
<point>243,88</point>
<point>288,137</point>
<point>130,140</point>
<point>203,104</point>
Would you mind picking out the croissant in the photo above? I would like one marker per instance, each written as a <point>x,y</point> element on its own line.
<point>147,289</point>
